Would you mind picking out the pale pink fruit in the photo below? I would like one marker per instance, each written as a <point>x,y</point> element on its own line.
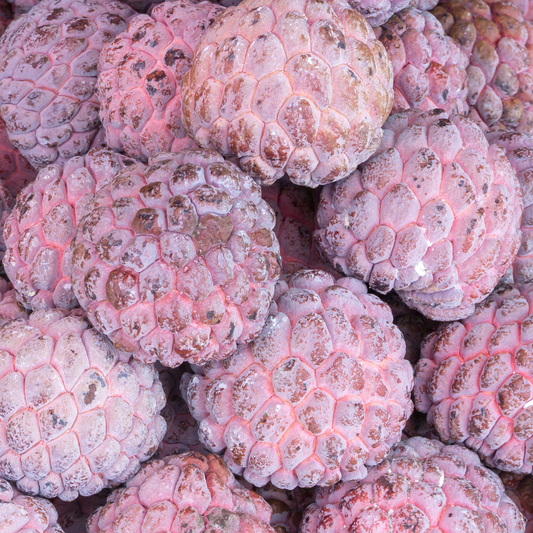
<point>429,67</point>
<point>519,150</point>
<point>519,488</point>
<point>43,222</point>
<point>48,75</point>
<point>76,415</point>
<point>182,428</point>
<point>140,75</point>
<point>183,493</point>
<point>474,380</point>
<point>15,171</point>
<point>320,395</point>
<point>295,209</point>
<point>26,514</point>
<point>299,87</point>
<point>178,261</point>
<point>423,486</point>
<point>435,215</point>
<point>496,39</point>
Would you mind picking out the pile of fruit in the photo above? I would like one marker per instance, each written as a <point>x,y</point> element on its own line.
<point>267,266</point>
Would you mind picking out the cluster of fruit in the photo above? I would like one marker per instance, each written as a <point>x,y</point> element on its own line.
<point>267,266</point>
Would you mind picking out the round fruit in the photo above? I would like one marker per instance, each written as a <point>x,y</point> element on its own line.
<point>187,492</point>
<point>140,75</point>
<point>429,67</point>
<point>474,380</point>
<point>423,486</point>
<point>48,76</point>
<point>42,224</point>
<point>299,87</point>
<point>25,514</point>
<point>177,261</point>
<point>496,39</point>
<point>76,414</point>
<point>435,215</point>
<point>320,395</point>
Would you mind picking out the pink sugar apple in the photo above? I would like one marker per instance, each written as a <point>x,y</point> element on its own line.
<point>15,171</point>
<point>300,87</point>
<point>422,486</point>
<point>434,215</point>
<point>182,428</point>
<point>185,493</point>
<point>519,150</point>
<point>48,76</point>
<point>177,261</point>
<point>75,414</point>
<point>295,209</point>
<point>42,224</point>
<point>474,380</point>
<point>496,39</point>
<point>323,392</point>
<point>429,67</point>
<point>26,514</point>
<point>140,77</point>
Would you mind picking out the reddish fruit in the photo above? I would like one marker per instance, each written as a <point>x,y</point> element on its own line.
<point>435,215</point>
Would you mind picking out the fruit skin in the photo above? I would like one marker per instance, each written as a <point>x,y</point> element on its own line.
<point>519,150</point>
<point>309,99</point>
<point>77,415</point>
<point>429,67</point>
<point>496,39</point>
<point>48,76</point>
<point>140,75</point>
<point>42,224</point>
<point>295,209</point>
<point>178,262</point>
<point>15,171</point>
<point>435,215</point>
<point>473,380</point>
<point>321,394</point>
<point>185,492</point>
<point>423,486</point>
<point>25,514</point>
